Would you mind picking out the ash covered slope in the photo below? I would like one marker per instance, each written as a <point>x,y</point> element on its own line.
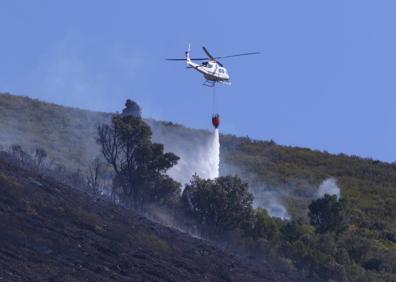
<point>50,231</point>
<point>67,134</point>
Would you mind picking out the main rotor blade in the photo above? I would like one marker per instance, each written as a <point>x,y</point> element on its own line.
<point>192,59</point>
<point>237,55</point>
<point>207,53</point>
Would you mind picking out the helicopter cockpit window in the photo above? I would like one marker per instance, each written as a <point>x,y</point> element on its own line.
<point>209,66</point>
<point>221,70</point>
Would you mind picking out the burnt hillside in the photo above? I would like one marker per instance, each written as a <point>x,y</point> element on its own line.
<point>52,232</point>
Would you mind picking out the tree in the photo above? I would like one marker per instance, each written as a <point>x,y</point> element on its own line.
<point>292,230</point>
<point>329,214</point>
<point>139,164</point>
<point>262,226</point>
<point>39,156</point>
<point>131,108</point>
<point>20,154</point>
<point>95,175</point>
<point>223,204</point>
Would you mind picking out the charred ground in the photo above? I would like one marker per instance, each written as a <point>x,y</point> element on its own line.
<point>53,232</point>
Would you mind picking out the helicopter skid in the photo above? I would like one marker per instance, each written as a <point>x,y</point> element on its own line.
<point>226,82</point>
<point>211,83</point>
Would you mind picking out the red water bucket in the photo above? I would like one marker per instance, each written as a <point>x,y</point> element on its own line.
<point>216,120</point>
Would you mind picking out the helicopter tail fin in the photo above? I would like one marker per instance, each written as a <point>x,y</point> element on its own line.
<point>190,63</point>
<point>188,54</point>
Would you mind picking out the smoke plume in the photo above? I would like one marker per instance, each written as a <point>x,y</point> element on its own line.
<point>265,196</point>
<point>329,186</point>
<point>270,201</point>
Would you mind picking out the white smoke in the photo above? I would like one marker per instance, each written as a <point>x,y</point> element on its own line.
<point>329,186</point>
<point>199,153</point>
<point>265,196</point>
<point>270,201</point>
<point>276,209</point>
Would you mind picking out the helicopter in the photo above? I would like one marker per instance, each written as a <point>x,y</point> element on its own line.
<point>212,70</point>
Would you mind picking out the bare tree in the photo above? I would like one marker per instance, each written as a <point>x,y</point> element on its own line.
<point>108,138</point>
<point>20,154</point>
<point>95,173</point>
<point>40,156</point>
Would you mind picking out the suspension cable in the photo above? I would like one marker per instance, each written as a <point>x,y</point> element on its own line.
<point>214,101</point>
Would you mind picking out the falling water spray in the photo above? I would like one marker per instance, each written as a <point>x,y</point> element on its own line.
<point>214,155</point>
<point>200,157</point>
<point>208,166</point>
<point>214,151</point>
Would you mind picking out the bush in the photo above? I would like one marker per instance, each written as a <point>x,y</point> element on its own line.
<point>329,214</point>
<point>292,230</point>
<point>262,226</point>
<point>220,205</point>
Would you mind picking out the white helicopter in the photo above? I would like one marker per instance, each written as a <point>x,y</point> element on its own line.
<point>213,71</point>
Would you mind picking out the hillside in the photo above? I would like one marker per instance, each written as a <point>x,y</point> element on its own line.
<point>53,232</point>
<point>67,134</point>
<point>293,174</point>
<point>284,180</point>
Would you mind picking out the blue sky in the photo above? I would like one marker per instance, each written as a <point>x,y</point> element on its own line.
<point>325,78</point>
